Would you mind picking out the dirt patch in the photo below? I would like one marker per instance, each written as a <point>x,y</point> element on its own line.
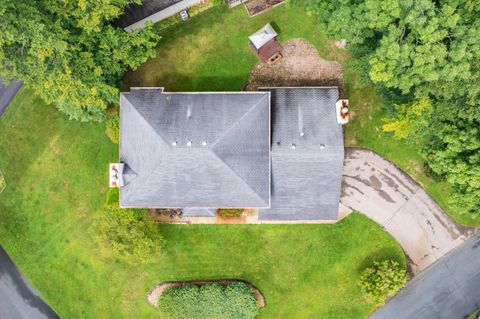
<point>153,297</point>
<point>255,7</point>
<point>301,65</point>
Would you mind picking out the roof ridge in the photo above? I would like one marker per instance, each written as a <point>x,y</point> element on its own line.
<point>237,121</point>
<point>239,178</point>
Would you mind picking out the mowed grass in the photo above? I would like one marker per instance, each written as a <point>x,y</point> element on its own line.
<point>210,53</point>
<point>56,172</point>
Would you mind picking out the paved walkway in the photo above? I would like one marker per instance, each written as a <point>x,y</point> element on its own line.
<point>449,289</point>
<point>7,93</point>
<point>18,300</point>
<point>377,188</point>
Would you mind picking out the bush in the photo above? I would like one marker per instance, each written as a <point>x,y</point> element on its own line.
<point>211,301</point>
<point>113,129</point>
<point>113,196</point>
<point>129,234</point>
<point>230,212</point>
<point>381,281</point>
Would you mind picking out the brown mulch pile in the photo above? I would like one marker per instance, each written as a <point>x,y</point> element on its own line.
<point>153,297</point>
<point>301,65</point>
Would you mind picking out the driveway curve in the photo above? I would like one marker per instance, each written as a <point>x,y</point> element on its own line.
<point>375,187</point>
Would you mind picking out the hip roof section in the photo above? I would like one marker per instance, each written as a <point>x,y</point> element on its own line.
<point>195,149</point>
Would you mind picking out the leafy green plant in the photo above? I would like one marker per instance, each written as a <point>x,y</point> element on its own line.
<point>211,301</point>
<point>384,279</point>
<point>230,212</point>
<point>113,196</point>
<point>113,128</point>
<point>129,234</point>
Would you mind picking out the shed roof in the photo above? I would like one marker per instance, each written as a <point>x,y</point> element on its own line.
<point>262,36</point>
<point>195,149</point>
<point>307,155</point>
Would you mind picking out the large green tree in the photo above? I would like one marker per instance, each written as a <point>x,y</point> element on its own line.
<point>69,51</point>
<point>416,51</point>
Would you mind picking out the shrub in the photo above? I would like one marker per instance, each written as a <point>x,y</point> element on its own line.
<point>383,280</point>
<point>211,301</point>
<point>113,128</point>
<point>113,196</point>
<point>230,212</point>
<point>129,234</point>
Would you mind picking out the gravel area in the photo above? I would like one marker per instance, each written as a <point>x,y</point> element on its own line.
<point>301,65</point>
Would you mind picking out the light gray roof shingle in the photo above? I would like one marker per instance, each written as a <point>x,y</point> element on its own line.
<point>307,155</point>
<point>221,152</point>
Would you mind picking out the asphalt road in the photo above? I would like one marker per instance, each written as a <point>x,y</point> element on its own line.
<point>449,289</point>
<point>18,299</point>
<point>7,93</point>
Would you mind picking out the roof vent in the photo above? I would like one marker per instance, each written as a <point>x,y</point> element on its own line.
<point>302,134</point>
<point>204,143</point>
<point>322,146</point>
<point>294,146</point>
<point>189,143</point>
<point>168,97</point>
<point>174,143</point>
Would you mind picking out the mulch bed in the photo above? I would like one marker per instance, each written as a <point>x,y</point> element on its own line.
<point>301,65</point>
<point>153,297</point>
<point>256,7</point>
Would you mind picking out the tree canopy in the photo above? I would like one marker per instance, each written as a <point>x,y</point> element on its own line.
<point>69,51</point>
<point>425,54</point>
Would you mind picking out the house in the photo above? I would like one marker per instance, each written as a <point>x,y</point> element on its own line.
<point>265,44</point>
<point>279,150</point>
<point>136,15</point>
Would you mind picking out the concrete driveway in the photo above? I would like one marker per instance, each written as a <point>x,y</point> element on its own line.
<point>18,299</point>
<point>377,188</point>
<point>449,289</point>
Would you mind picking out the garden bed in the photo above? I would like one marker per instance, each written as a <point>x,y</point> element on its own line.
<point>255,7</point>
<point>154,296</point>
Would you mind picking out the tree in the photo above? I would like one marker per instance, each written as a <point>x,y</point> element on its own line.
<point>69,52</point>
<point>129,234</point>
<point>212,301</point>
<point>414,51</point>
<point>384,279</point>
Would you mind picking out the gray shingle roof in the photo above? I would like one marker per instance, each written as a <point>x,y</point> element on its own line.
<point>135,12</point>
<point>306,170</point>
<point>221,152</point>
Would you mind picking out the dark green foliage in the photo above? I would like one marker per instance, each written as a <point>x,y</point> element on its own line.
<point>210,301</point>
<point>113,128</point>
<point>69,52</point>
<point>230,212</point>
<point>113,196</point>
<point>417,50</point>
<point>128,234</point>
<point>384,279</point>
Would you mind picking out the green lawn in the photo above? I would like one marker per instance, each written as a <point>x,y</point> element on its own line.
<point>56,172</point>
<point>210,53</point>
